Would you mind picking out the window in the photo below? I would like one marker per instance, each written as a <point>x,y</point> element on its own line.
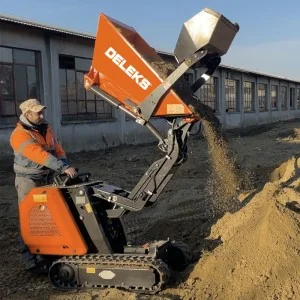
<point>249,96</point>
<point>292,98</point>
<point>298,98</point>
<point>208,93</point>
<point>274,97</point>
<point>76,102</point>
<point>19,81</point>
<point>231,87</point>
<point>262,97</point>
<point>283,98</point>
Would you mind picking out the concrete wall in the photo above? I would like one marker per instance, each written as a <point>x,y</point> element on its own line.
<point>15,36</point>
<point>74,135</point>
<point>92,136</point>
<point>242,118</point>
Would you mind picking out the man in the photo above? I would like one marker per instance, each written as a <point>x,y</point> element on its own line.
<point>37,155</point>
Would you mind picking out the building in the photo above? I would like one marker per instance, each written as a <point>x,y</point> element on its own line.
<point>242,98</point>
<point>48,63</point>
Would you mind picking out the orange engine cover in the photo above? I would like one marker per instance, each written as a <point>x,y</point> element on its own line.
<point>47,224</point>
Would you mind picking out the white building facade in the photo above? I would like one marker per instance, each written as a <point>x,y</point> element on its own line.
<point>38,61</point>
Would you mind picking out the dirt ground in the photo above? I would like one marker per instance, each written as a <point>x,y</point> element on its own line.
<point>251,252</point>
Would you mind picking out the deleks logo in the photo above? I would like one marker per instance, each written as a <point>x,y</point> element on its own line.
<point>129,70</point>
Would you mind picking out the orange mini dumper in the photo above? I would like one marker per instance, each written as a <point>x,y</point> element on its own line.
<point>76,223</point>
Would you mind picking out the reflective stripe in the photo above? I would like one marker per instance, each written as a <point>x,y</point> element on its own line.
<point>24,144</point>
<point>53,163</point>
<point>29,171</point>
<point>36,136</point>
<point>23,141</point>
<point>32,134</point>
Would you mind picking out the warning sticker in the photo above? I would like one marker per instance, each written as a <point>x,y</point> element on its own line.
<point>88,207</point>
<point>91,270</point>
<point>40,198</point>
<point>175,109</point>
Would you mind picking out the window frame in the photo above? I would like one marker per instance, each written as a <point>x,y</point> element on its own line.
<point>297,104</point>
<point>248,96</point>
<point>274,108</point>
<point>261,98</point>
<point>8,120</point>
<point>210,87</point>
<point>84,115</point>
<point>235,92</point>
<point>292,98</point>
<point>284,100</point>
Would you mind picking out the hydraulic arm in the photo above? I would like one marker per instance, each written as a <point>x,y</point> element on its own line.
<point>122,74</point>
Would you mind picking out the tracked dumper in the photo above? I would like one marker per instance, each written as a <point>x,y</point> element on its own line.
<point>76,223</point>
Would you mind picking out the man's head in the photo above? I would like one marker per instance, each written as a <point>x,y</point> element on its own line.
<point>33,111</point>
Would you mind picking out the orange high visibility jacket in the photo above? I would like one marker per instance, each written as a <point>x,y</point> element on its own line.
<point>34,153</point>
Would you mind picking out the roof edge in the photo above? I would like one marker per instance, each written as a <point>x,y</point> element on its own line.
<point>21,21</point>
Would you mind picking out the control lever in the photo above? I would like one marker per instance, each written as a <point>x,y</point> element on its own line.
<point>59,181</point>
<point>79,175</point>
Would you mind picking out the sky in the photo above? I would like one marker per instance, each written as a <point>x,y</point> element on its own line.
<point>268,40</point>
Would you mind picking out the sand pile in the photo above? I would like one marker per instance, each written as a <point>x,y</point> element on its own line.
<point>226,180</point>
<point>259,257</point>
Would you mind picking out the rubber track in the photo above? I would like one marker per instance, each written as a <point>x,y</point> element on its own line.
<point>115,260</point>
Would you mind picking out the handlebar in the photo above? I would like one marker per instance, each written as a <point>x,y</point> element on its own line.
<point>58,179</point>
<point>68,179</point>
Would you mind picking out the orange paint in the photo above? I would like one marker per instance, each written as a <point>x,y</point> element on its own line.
<point>47,225</point>
<point>119,68</point>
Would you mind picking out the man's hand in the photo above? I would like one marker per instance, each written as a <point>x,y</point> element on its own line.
<point>71,172</point>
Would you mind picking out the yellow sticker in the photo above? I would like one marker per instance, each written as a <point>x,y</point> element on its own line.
<point>41,198</point>
<point>88,207</point>
<point>91,270</point>
<point>175,109</point>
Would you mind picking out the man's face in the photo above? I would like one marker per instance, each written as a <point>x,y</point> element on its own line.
<point>36,118</point>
